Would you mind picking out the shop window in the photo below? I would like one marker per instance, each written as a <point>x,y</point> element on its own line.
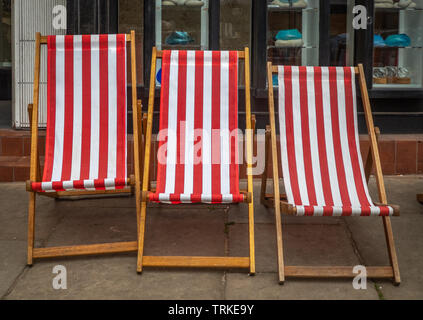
<point>235,28</point>
<point>235,24</point>
<point>293,32</point>
<point>338,33</point>
<point>182,25</point>
<point>131,13</point>
<point>398,44</point>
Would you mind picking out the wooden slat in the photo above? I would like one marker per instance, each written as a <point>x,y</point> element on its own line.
<point>44,39</point>
<point>196,262</point>
<point>275,168</point>
<point>275,70</point>
<point>267,155</point>
<point>83,250</point>
<point>30,111</point>
<point>136,116</point>
<point>34,149</point>
<point>378,170</point>
<point>147,156</point>
<point>129,181</point>
<point>249,142</point>
<point>241,54</point>
<point>335,272</point>
<point>93,192</point>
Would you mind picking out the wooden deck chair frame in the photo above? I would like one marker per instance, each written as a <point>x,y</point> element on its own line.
<point>190,261</point>
<point>35,174</point>
<point>372,161</point>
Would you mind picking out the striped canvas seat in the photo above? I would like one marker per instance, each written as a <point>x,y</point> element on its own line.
<point>198,138</point>
<point>86,119</point>
<point>322,166</point>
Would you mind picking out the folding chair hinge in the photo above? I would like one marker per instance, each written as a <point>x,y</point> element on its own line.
<point>247,197</point>
<point>144,196</point>
<point>29,186</point>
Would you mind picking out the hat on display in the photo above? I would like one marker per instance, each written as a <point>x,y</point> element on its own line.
<point>290,3</point>
<point>398,40</point>
<point>403,4</point>
<point>378,41</point>
<point>179,38</point>
<point>384,3</point>
<point>191,3</point>
<point>289,34</point>
<point>289,38</point>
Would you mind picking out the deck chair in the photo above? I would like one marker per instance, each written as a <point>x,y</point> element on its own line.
<point>198,109</point>
<point>86,139</point>
<point>322,169</point>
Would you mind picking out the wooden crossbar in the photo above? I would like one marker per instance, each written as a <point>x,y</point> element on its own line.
<point>196,262</point>
<point>43,39</point>
<point>83,250</point>
<point>336,272</point>
<point>241,54</point>
<point>275,69</point>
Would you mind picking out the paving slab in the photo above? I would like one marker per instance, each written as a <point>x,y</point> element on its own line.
<point>185,231</point>
<point>14,212</point>
<point>303,245</point>
<point>200,230</point>
<point>115,278</point>
<point>12,263</point>
<point>86,225</point>
<point>264,286</point>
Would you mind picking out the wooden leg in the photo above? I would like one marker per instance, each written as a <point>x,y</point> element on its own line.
<point>369,161</point>
<point>391,249</point>
<point>279,242</point>
<point>368,166</point>
<point>31,228</point>
<point>141,236</point>
<point>251,238</point>
<point>265,172</point>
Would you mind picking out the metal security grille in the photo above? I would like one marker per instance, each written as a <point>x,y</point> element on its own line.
<point>29,17</point>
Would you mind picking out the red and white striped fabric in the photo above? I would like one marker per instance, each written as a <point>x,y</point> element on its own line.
<point>86,119</point>
<point>322,166</point>
<point>198,138</point>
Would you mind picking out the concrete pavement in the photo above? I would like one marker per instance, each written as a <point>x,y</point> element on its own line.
<point>184,230</point>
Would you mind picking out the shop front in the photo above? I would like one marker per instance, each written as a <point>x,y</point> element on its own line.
<point>297,32</point>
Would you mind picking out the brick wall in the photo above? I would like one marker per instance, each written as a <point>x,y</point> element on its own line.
<point>400,154</point>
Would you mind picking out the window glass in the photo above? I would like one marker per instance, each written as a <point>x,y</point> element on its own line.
<point>235,28</point>
<point>398,44</point>
<point>235,24</point>
<point>338,33</point>
<point>131,17</point>
<point>292,33</point>
<point>182,25</point>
